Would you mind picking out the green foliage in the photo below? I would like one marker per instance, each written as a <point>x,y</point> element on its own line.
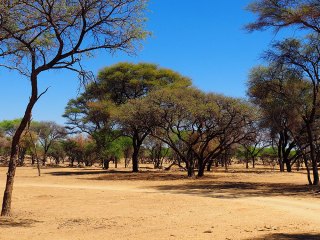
<point>124,81</point>
<point>281,94</point>
<point>117,147</point>
<point>9,126</point>
<point>115,102</point>
<point>269,153</point>
<point>283,13</point>
<point>56,151</point>
<point>198,126</point>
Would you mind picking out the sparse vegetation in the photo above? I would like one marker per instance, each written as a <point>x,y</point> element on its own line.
<point>144,135</point>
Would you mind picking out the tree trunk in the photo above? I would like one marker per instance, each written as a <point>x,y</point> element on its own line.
<point>209,165</point>
<point>313,156</point>
<point>38,166</point>
<point>44,160</point>
<point>135,159</point>
<point>281,166</point>
<point>106,164</point>
<point>22,154</point>
<point>280,157</point>
<point>288,166</point>
<point>135,155</point>
<point>225,165</point>
<point>190,169</point>
<point>7,197</point>
<point>201,167</point>
<point>307,167</point>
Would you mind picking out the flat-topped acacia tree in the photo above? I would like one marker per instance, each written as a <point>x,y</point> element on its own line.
<point>102,106</point>
<point>37,36</point>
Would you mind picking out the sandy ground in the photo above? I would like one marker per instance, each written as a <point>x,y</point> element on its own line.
<point>90,203</point>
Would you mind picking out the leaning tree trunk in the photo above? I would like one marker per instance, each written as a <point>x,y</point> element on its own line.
<point>7,197</point>
<point>307,168</point>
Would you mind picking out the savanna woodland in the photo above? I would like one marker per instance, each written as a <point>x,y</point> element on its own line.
<point>145,154</point>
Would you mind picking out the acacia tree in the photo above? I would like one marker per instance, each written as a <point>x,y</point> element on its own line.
<point>197,126</point>
<point>4,148</point>
<point>9,127</point>
<point>279,14</point>
<point>37,36</point>
<point>302,55</point>
<point>274,90</point>
<point>225,122</point>
<point>56,151</point>
<point>48,133</point>
<point>136,122</point>
<point>157,151</point>
<point>116,86</point>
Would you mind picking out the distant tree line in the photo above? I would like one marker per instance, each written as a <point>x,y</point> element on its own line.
<point>144,113</point>
<point>143,102</point>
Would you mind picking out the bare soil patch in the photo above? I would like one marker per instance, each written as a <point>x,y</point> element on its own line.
<point>89,203</point>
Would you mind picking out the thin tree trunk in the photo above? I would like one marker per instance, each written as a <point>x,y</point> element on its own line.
<point>225,165</point>
<point>44,160</point>
<point>35,152</point>
<point>313,156</point>
<point>7,196</point>
<point>38,167</point>
<point>135,154</point>
<point>190,169</point>
<point>280,155</point>
<point>32,159</point>
<point>308,170</point>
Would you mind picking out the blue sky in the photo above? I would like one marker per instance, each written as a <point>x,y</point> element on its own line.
<point>202,39</point>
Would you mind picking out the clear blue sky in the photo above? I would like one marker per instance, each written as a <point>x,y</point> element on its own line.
<point>202,39</point>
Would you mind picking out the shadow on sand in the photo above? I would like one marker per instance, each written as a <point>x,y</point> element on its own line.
<point>117,175</point>
<point>215,186</point>
<point>229,190</point>
<point>10,222</point>
<point>283,236</point>
<point>78,172</point>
